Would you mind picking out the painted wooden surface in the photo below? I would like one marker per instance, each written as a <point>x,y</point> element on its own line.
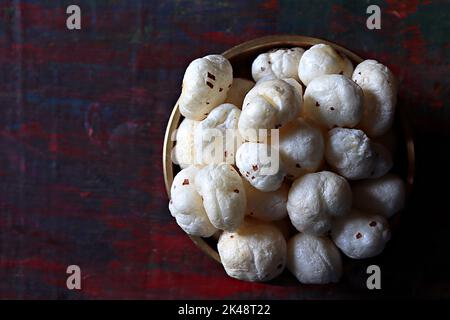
<point>82,118</point>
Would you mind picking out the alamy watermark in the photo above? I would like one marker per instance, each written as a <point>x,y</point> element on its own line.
<point>374,20</point>
<point>73,281</point>
<point>73,21</point>
<point>374,280</point>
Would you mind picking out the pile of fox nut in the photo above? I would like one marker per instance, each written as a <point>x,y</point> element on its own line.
<point>315,187</point>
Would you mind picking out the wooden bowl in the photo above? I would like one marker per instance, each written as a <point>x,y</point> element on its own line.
<point>241,58</point>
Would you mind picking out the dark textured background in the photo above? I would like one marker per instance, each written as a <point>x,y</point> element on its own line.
<point>82,118</point>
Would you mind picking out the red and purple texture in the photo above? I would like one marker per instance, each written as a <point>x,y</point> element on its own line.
<point>82,119</point>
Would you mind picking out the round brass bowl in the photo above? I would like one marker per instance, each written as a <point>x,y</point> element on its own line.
<point>241,57</point>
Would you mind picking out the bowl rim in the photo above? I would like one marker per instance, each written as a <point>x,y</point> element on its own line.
<point>276,41</point>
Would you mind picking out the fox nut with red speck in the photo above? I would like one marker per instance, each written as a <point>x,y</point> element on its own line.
<point>205,85</point>
<point>281,63</point>
<point>322,59</point>
<point>268,105</point>
<point>360,235</point>
<point>380,96</point>
<point>333,100</point>
<point>254,252</point>
<point>186,205</point>
<point>223,195</point>
<point>216,137</point>
<point>260,165</point>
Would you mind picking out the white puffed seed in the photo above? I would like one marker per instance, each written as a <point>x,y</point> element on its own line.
<point>380,96</point>
<point>313,260</point>
<point>216,137</point>
<point>315,199</point>
<point>184,152</point>
<point>384,196</point>
<point>301,147</point>
<point>360,235</point>
<point>255,252</point>
<point>322,59</point>
<point>238,91</point>
<point>280,63</point>
<point>260,165</point>
<point>205,200</point>
<point>266,206</point>
<point>223,195</point>
<point>351,154</point>
<point>333,100</point>
<point>269,105</point>
<point>205,85</point>
<point>186,205</point>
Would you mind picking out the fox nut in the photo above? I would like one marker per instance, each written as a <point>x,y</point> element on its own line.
<point>281,63</point>
<point>380,96</point>
<point>216,136</point>
<point>333,100</point>
<point>322,59</point>
<point>223,195</point>
<point>266,206</point>
<point>315,199</point>
<point>254,252</point>
<point>260,165</point>
<point>186,205</point>
<point>238,91</point>
<point>351,154</point>
<point>205,85</point>
<point>384,196</point>
<point>184,151</point>
<point>269,105</point>
<point>313,260</point>
<point>361,235</point>
<point>301,147</point>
